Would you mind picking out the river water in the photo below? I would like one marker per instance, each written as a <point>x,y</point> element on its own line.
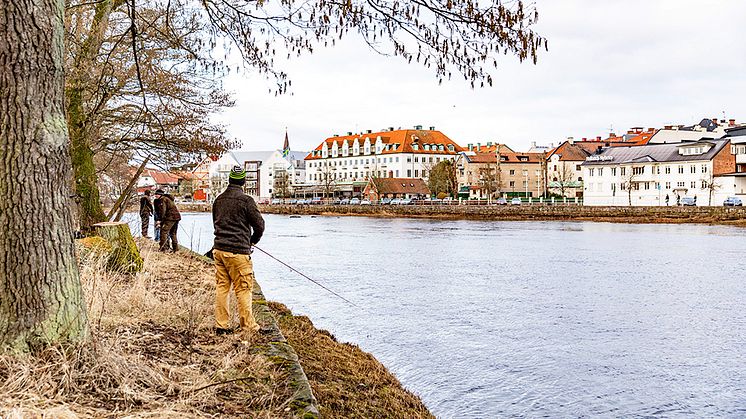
<point>525,319</point>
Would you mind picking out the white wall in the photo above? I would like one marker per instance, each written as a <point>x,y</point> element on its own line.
<point>600,181</point>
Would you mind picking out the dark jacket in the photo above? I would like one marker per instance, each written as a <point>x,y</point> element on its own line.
<point>146,207</point>
<point>169,212</point>
<point>158,205</point>
<point>237,221</point>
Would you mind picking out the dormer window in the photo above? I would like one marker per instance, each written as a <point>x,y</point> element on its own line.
<point>415,147</point>
<point>450,148</point>
<point>426,147</point>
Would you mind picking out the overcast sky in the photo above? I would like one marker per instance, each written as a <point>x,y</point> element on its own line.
<point>610,63</point>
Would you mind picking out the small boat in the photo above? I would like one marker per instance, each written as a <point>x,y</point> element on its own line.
<point>295,216</point>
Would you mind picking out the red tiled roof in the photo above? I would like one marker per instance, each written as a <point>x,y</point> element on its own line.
<point>163,178</point>
<point>401,186</point>
<point>492,149</point>
<point>400,141</point>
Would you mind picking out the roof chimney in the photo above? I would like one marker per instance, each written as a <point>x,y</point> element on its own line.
<point>479,146</point>
<point>418,127</point>
<point>599,138</point>
<point>533,144</point>
<point>470,146</point>
<point>432,128</point>
<point>571,140</point>
<point>349,132</point>
<point>368,131</point>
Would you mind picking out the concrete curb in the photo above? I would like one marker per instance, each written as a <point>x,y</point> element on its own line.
<point>303,403</point>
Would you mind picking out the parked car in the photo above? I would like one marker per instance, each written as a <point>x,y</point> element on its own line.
<point>733,201</point>
<point>316,200</point>
<point>276,201</point>
<point>405,201</point>
<point>448,200</point>
<point>303,202</point>
<point>337,201</point>
<point>501,201</point>
<point>385,201</point>
<point>355,201</point>
<point>293,201</point>
<point>395,201</point>
<point>688,201</point>
<point>344,201</point>
<point>365,202</point>
<point>515,201</point>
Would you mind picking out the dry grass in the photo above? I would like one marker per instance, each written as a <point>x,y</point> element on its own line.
<point>347,382</point>
<point>152,353</point>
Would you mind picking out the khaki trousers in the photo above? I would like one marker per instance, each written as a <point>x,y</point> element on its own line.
<point>238,271</point>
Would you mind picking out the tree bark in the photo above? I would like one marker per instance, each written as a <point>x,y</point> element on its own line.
<point>41,299</point>
<point>87,194</point>
<point>124,256</point>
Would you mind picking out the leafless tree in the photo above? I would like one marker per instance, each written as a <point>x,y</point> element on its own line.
<point>563,178</point>
<point>710,184</point>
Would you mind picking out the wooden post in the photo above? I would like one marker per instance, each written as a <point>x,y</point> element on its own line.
<point>124,257</point>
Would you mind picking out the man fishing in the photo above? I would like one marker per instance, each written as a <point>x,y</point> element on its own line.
<point>146,210</point>
<point>238,225</point>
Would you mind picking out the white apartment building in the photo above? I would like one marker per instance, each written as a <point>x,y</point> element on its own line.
<point>355,158</point>
<point>262,168</point>
<point>645,175</point>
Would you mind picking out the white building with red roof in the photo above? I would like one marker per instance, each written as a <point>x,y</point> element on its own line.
<point>355,158</point>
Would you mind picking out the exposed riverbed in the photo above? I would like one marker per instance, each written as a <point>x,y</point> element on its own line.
<point>492,319</point>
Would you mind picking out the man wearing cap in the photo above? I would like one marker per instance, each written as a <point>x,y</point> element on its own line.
<point>170,218</point>
<point>238,225</point>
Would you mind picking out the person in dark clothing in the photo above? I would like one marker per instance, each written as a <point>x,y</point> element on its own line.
<point>146,210</point>
<point>157,204</point>
<point>238,225</point>
<point>170,218</point>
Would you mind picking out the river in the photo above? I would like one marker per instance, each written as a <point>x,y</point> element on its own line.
<point>524,319</point>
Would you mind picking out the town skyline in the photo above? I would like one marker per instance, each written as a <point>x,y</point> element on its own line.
<point>617,66</point>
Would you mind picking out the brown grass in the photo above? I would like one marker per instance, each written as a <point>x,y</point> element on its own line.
<point>347,382</point>
<point>152,353</point>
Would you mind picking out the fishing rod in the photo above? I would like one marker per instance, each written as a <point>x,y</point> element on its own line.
<point>303,275</point>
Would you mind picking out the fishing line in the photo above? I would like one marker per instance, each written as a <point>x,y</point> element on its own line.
<point>304,275</point>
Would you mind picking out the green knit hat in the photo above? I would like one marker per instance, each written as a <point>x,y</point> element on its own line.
<point>237,173</point>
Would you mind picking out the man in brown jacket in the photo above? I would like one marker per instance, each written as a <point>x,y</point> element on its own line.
<point>238,225</point>
<point>170,218</point>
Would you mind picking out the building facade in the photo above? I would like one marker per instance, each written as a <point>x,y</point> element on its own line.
<point>503,173</point>
<point>645,175</point>
<point>344,165</point>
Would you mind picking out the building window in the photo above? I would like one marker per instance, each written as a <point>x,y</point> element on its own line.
<point>613,171</point>
<point>681,169</point>
<point>409,172</point>
<point>577,168</point>
<point>647,186</point>
<point>704,168</point>
<point>668,185</point>
<point>416,173</point>
<point>668,170</point>
<point>623,171</point>
<point>397,173</point>
<point>525,183</point>
<point>636,185</point>
<point>512,172</point>
<point>590,171</point>
<point>704,184</point>
<point>693,169</point>
<point>693,184</point>
<point>638,170</point>
<point>512,184</point>
<point>680,184</point>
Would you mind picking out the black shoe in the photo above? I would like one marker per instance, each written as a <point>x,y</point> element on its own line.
<point>220,331</point>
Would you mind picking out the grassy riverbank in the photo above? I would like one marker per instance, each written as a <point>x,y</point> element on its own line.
<point>153,353</point>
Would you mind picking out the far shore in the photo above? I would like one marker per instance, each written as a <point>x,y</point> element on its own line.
<point>734,216</point>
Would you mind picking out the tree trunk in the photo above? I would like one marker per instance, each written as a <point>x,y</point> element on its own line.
<point>124,257</point>
<point>41,298</point>
<point>87,194</point>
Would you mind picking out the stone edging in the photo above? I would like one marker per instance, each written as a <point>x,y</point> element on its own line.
<point>303,403</point>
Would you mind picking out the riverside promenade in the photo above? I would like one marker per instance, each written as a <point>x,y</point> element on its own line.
<point>632,215</point>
